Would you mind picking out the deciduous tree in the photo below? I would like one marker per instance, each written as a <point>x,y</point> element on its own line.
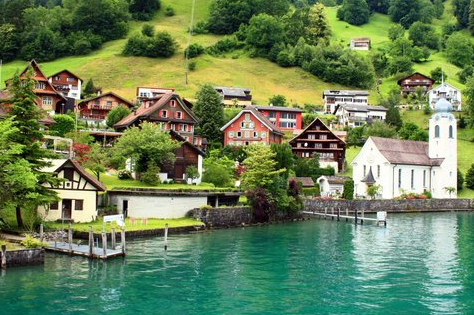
<point>117,114</point>
<point>355,12</point>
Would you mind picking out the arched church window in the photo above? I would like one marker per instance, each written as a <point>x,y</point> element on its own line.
<point>437,131</point>
<point>451,131</point>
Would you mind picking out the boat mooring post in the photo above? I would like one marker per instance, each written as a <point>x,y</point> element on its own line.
<point>355,216</point>
<point>338,213</point>
<point>113,239</point>
<point>41,233</point>
<point>166,236</point>
<point>69,237</point>
<point>122,238</point>
<point>104,244</point>
<point>91,241</point>
<point>4,257</point>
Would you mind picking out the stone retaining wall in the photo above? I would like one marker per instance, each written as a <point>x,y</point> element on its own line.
<point>24,257</point>
<point>224,217</point>
<point>408,205</point>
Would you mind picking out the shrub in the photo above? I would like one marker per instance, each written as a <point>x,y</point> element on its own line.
<point>192,172</point>
<point>200,28</point>
<point>151,176</point>
<point>470,177</point>
<point>218,175</point>
<point>460,183</point>
<point>314,191</point>
<point>169,11</point>
<point>224,45</point>
<point>262,207</point>
<point>148,30</point>
<point>124,174</point>
<point>348,190</point>
<point>62,125</point>
<point>192,65</point>
<point>160,45</point>
<point>31,242</point>
<point>194,50</point>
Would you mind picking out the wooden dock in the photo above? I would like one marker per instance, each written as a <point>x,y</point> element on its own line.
<point>91,249</point>
<point>380,220</point>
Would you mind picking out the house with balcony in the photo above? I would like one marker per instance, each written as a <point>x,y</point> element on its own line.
<point>448,92</point>
<point>251,126</point>
<point>67,83</point>
<point>168,110</point>
<point>318,139</point>
<point>358,115</point>
<point>332,98</point>
<point>95,110</point>
<point>416,80</point>
<point>362,43</point>
<point>235,96</point>
<point>286,118</point>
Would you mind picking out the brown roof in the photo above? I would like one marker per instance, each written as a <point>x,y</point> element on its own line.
<point>317,119</point>
<point>144,112</point>
<point>336,179</point>
<point>106,94</point>
<point>81,170</point>
<point>272,127</point>
<point>65,70</point>
<point>305,181</point>
<point>405,151</point>
<point>427,77</point>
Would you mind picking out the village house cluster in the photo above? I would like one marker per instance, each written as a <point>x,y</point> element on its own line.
<point>396,165</point>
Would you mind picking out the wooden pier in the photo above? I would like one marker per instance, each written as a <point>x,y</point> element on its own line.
<point>380,220</point>
<point>91,249</point>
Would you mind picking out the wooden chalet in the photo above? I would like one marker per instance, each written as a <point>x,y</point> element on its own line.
<point>96,109</point>
<point>317,138</point>
<point>67,83</point>
<point>410,83</point>
<point>47,97</point>
<point>251,126</point>
<point>234,96</point>
<point>169,110</point>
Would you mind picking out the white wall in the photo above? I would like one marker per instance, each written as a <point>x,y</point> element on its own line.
<point>88,214</point>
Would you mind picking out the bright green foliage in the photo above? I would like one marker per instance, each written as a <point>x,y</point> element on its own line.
<point>468,95</point>
<point>380,129</point>
<point>264,31</point>
<point>218,170</point>
<point>348,193</point>
<point>32,242</point>
<point>260,167</point>
<point>470,177</point>
<point>160,45</point>
<point>144,9</point>
<point>318,28</point>
<point>151,176</point>
<point>405,12</point>
<point>192,173</point>
<point>411,131</point>
<point>355,136</point>
<point>117,114</point>
<point>437,73</point>
<point>423,35</point>
<point>283,157</point>
<point>355,12</point>
<point>147,144</point>
<point>278,100</point>
<point>461,11</point>
<point>395,32</point>
<point>210,112</point>
<point>459,50</point>
<point>373,190</point>
<point>460,180</point>
<point>96,160</point>
<point>62,125</point>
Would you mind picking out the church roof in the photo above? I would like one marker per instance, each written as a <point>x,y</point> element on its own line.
<point>443,106</point>
<point>406,152</point>
<point>369,178</point>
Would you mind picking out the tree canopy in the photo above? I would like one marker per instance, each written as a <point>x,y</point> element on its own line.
<point>210,112</point>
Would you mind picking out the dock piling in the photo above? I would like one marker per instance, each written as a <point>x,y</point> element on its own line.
<point>166,236</point>
<point>41,233</point>
<point>69,237</point>
<point>91,241</point>
<point>113,238</point>
<point>122,238</point>
<point>4,257</point>
<point>104,243</point>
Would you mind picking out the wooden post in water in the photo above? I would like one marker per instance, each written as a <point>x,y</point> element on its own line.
<point>355,216</point>
<point>4,257</point>
<point>113,238</point>
<point>91,242</point>
<point>166,236</point>
<point>104,244</point>
<point>362,220</point>
<point>325,213</point>
<point>122,238</point>
<point>41,233</point>
<point>55,239</point>
<point>338,210</point>
<point>69,237</point>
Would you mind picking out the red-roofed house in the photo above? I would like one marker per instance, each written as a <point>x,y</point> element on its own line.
<point>169,110</point>
<point>286,118</point>
<point>251,126</point>
<point>96,109</point>
<point>67,83</point>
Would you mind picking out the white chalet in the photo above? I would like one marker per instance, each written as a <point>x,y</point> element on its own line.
<point>447,91</point>
<point>78,193</point>
<point>358,115</point>
<point>399,166</point>
<point>332,98</point>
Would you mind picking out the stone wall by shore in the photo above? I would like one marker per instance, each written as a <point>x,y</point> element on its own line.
<point>408,205</point>
<point>223,217</point>
<point>24,257</point>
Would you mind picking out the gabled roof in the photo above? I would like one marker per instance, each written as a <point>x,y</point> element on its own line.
<point>65,70</point>
<point>334,179</point>
<point>262,118</point>
<point>360,108</point>
<point>178,137</point>
<point>314,122</point>
<point>445,84</point>
<point>233,91</point>
<point>346,92</point>
<point>361,39</point>
<point>107,94</point>
<point>402,79</point>
<point>369,178</point>
<point>143,112</point>
<point>59,165</point>
<point>305,181</point>
<point>405,152</point>
<point>278,108</point>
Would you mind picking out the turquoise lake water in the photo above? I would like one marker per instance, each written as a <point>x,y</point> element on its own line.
<point>419,264</point>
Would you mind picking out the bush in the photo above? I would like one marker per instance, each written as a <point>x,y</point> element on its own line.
<point>148,30</point>
<point>285,59</point>
<point>224,45</point>
<point>151,176</point>
<point>217,175</point>
<point>314,191</point>
<point>62,125</point>
<point>460,183</point>
<point>169,11</point>
<point>31,242</point>
<point>470,177</point>
<point>200,28</point>
<point>348,190</point>
<point>160,45</point>
<point>124,174</point>
<point>192,65</point>
<point>194,50</point>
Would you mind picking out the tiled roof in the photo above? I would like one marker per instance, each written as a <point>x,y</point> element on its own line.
<point>305,181</point>
<point>405,151</point>
<point>65,70</point>
<point>346,92</point>
<point>335,179</point>
<point>403,79</point>
<point>233,91</point>
<point>278,108</point>
<point>259,116</point>
<point>58,165</point>
<point>107,94</point>
<point>361,108</point>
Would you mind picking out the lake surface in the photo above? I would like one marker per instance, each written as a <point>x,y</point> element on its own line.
<point>419,264</point>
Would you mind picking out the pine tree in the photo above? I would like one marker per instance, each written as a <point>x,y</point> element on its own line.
<point>210,113</point>
<point>471,17</point>
<point>25,115</point>
<point>89,89</point>
<point>318,27</point>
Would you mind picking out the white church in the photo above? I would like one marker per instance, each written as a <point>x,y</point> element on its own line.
<point>404,166</point>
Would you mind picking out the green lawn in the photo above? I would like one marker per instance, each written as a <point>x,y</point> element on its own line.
<point>351,153</point>
<point>97,226</point>
<point>10,246</point>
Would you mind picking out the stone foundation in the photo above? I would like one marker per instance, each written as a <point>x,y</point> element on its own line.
<point>224,217</point>
<point>24,257</point>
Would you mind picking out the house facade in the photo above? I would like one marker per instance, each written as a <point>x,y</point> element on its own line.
<point>362,43</point>
<point>332,98</point>
<point>251,126</point>
<point>67,83</point>
<point>285,118</point>
<point>78,193</point>
<point>318,139</point>
<point>358,115</point>
<point>416,80</point>
<point>403,166</point>
<point>448,92</point>
<point>151,92</point>
<point>96,109</point>
<point>234,96</point>
<point>169,110</point>
<point>331,186</point>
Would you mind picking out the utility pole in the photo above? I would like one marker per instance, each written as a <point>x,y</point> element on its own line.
<point>191,26</point>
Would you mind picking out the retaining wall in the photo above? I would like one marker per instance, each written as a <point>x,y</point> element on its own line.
<point>224,217</point>
<point>407,205</point>
<point>24,257</point>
